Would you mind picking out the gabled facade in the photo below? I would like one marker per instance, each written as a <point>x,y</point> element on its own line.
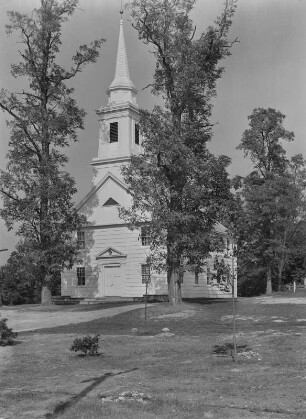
<point>113,257</point>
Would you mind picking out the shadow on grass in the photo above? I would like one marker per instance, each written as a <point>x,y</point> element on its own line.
<point>88,355</point>
<point>11,343</point>
<point>62,407</point>
<point>208,301</point>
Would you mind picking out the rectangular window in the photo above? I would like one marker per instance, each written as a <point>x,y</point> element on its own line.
<point>208,276</point>
<point>145,236</point>
<point>228,245</point>
<point>196,278</point>
<point>81,239</point>
<point>113,132</point>
<point>181,276</point>
<point>145,274</point>
<point>197,271</point>
<point>136,134</point>
<point>81,276</point>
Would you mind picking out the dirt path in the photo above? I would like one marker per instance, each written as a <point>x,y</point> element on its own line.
<point>22,320</point>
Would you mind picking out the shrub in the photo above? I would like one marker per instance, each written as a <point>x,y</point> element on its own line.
<point>87,345</point>
<point>251,286</point>
<point>7,335</point>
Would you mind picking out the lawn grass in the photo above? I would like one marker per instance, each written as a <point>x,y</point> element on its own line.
<point>184,379</point>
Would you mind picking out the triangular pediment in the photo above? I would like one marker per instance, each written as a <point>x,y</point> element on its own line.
<point>111,253</point>
<point>95,189</point>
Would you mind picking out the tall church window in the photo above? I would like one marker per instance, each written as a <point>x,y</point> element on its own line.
<point>81,239</point>
<point>136,133</point>
<point>81,275</point>
<point>145,236</point>
<point>113,132</point>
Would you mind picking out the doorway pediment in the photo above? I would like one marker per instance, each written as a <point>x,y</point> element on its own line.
<point>111,253</point>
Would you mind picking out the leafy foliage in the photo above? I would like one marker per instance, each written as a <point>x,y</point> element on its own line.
<point>272,197</point>
<point>7,336</point>
<point>178,186</point>
<point>37,192</point>
<point>250,279</point>
<point>261,142</point>
<point>222,270</point>
<point>87,345</point>
<point>19,278</point>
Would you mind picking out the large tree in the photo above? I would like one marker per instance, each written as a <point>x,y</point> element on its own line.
<point>273,194</point>
<point>290,203</point>
<point>44,117</point>
<point>178,186</point>
<point>19,278</point>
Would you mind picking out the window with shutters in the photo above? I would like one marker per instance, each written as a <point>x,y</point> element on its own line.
<point>81,239</point>
<point>145,274</point>
<point>113,132</point>
<point>145,236</point>
<point>81,276</point>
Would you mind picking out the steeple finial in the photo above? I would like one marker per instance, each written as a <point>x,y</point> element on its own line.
<point>121,9</point>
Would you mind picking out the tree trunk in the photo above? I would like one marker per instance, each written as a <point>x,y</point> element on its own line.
<point>46,299</point>
<point>281,264</point>
<point>174,288</point>
<point>279,280</point>
<point>269,281</point>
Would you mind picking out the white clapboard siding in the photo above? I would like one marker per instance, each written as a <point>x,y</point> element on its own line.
<point>126,242</point>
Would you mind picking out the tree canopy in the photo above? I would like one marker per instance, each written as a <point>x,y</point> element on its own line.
<point>178,186</point>
<point>43,119</point>
<point>273,196</point>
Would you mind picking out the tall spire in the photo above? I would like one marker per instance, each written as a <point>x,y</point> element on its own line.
<point>122,81</point>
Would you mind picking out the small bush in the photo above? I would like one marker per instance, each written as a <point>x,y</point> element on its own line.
<point>251,286</point>
<point>228,349</point>
<point>87,345</point>
<point>7,335</point>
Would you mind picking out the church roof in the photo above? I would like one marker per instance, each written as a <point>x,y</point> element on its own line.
<point>220,229</point>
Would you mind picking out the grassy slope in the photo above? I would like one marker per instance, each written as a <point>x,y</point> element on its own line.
<point>185,380</point>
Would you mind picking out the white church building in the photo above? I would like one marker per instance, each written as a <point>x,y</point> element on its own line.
<point>113,257</point>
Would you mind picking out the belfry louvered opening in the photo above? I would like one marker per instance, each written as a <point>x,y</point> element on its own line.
<point>136,134</point>
<point>113,132</point>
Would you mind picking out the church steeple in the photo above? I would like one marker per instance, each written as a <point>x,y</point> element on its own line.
<point>122,88</point>
<point>119,136</point>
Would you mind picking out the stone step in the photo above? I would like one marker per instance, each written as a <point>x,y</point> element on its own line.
<point>65,300</point>
<point>110,299</point>
<point>65,303</point>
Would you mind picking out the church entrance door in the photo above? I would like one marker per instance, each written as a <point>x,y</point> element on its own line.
<point>112,281</point>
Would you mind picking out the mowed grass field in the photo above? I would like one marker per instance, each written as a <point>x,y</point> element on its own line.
<point>179,374</point>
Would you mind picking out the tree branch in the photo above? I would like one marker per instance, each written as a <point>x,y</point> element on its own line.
<point>10,196</point>
<point>22,126</point>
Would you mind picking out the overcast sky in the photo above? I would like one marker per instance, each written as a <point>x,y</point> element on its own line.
<point>266,69</point>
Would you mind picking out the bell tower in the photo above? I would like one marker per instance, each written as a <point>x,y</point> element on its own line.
<point>118,120</point>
